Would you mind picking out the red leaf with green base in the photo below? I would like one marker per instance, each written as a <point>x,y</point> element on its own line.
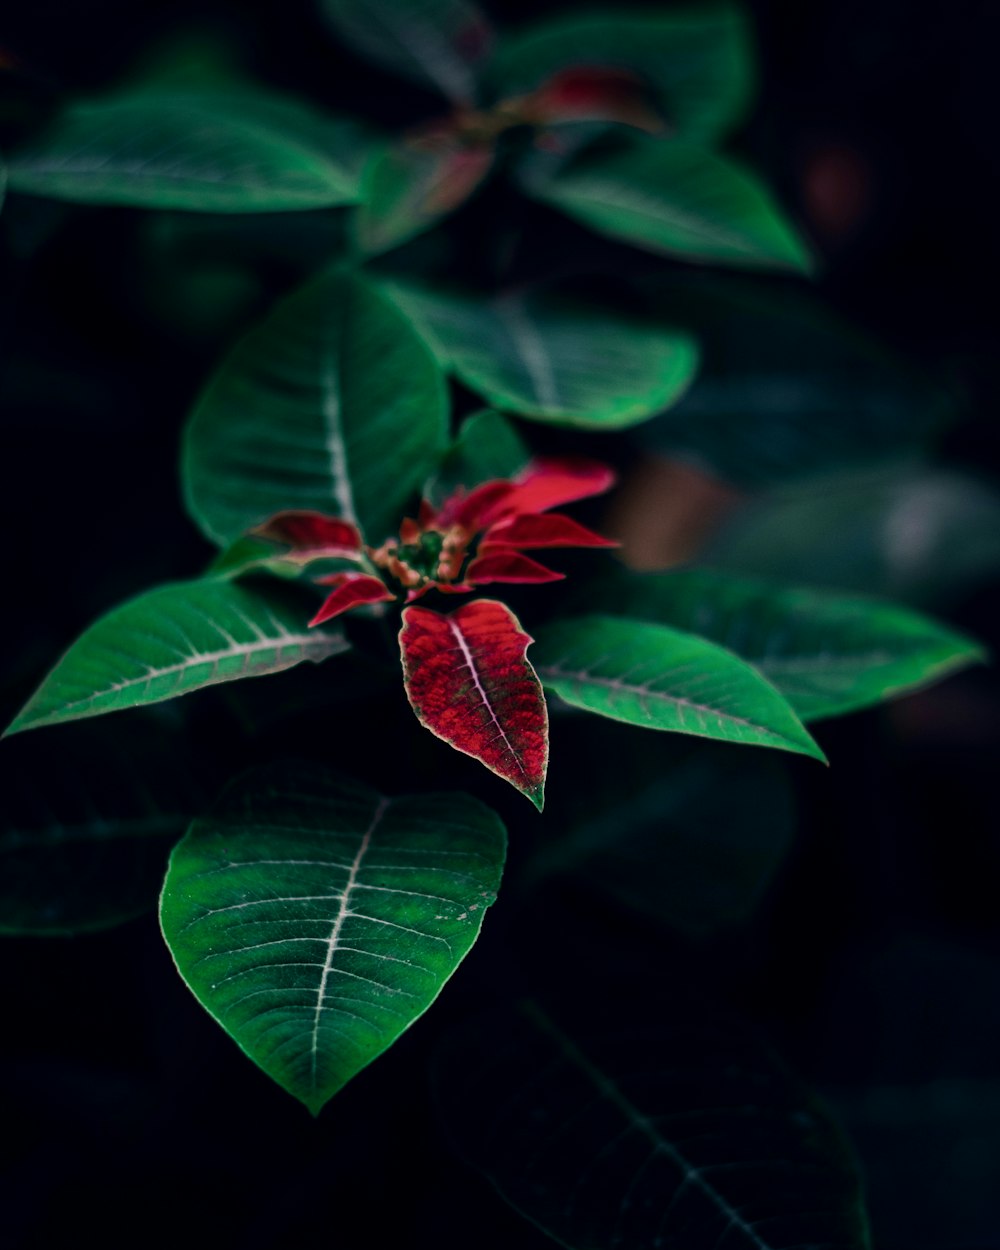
<point>470,684</point>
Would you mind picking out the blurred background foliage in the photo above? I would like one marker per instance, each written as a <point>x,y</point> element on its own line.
<point>842,432</point>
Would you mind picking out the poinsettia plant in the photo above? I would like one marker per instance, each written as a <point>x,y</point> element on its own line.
<point>315,916</point>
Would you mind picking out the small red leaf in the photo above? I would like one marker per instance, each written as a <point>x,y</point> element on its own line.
<point>352,591</point>
<point>470,684</point>
<point>504,564</point>
<point>474,510</point>
<point>453,176</point>
<point>312,536</point>
<point>545,484</point>
<point>593,93</point>
<point>545,530</point>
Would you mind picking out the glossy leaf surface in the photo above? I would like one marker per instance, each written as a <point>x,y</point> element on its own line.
<point>661,678</point>
<point>331,404</point>
<point>679,200</point>
<point>173,640</point>
<point>697,63</point>
<point>437,43</point>
<point>470,684</point>
<point>180,151</point>
<point>827,653</point>
<point>562,363</point>
<point>85,831</point>
<point>615,1132</point>
<point>409,187</point>
<point>316,919</point>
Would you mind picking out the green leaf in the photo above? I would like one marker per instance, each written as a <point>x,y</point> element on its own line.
<point>544,357</point>
<point>827,653</point>
<point>210,152</point>
<point>437,43</point>
<point>633,1129</point>
<point>408,187</point>
<point>679,200</point>
<point>332,404</point>
<point>316,920</point>
<point>85,831</point>
<point>661,678</point>
<point>487,447</point>
<point>176,639</point>
<point>658,833</point>
<point>698,63</point>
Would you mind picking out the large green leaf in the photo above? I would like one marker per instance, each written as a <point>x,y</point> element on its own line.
<point>333,403</point>
<point>698,63</point>
<point>677,199</point>
<point>661,678</point>
<point>205,151</point>
<point>544,357</point>
<point>316,920</point>
<point>658,833</point>
<point>176,639</point>
<point>85,831</point>
<point>827,653</point>
<point>437,43</point>
<point>651,1122</point>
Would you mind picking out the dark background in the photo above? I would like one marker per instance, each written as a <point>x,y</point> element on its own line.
<point>875,962</point>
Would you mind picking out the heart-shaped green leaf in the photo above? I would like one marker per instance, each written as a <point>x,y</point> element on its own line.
<point>697,63</point>
<point>680,200</point>
<point>176,639</point>
<point>555,361</point>
<point>664,679</point>
<point>438,43</point>
<point>201,151</point>
<point>316,920</point>
<point>331,404</point>
<point>827,653</point>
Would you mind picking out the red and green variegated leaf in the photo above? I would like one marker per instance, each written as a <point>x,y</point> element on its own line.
<point>547,483</point>
<point>353,590</point>
<point>593,94</point>
<point>410,186</point>
<point>312,536</point>
<point>504,564</point>
<point>552,530</point>
<point>469,681</point>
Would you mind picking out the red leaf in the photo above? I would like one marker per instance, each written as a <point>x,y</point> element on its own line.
<point>312,536</point>
<point>504,564</point>
<point>545,484</point>
<point>353,590</point>
<point>546,530</point>
<point>469,683</point>
<point>451,176</point>
<point>474,510</point>
<point>593,93</point>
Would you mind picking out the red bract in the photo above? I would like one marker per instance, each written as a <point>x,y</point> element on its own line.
<point>475,538</point>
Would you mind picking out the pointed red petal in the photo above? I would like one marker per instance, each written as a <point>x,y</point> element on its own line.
<point>545,484</point>
<point>474,510</point>
<point>410,530</point>
<point>550,529</point>
<point>504,564</point>
<point>469,683</point>
<point>312,536</point>
<point>353,590</point>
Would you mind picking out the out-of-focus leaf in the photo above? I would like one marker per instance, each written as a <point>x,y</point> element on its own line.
<point>488,447</point>
<point>697,62</point>
<point>826,653</point>
<point>438,43</point>
<point>331,404</point>
<point>85,831</point>
<point>659,832</point>
<point>411,185</point>
<point>469,683</point>
<point>925,536</point>
<point>210,152</point>
<point>316,919</point>
<point>786,389</point>
<point>661,678</point>
<point>679,200</point>
<point>616,1132</point>
<point>552,360</point>
<point>175,639</point>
